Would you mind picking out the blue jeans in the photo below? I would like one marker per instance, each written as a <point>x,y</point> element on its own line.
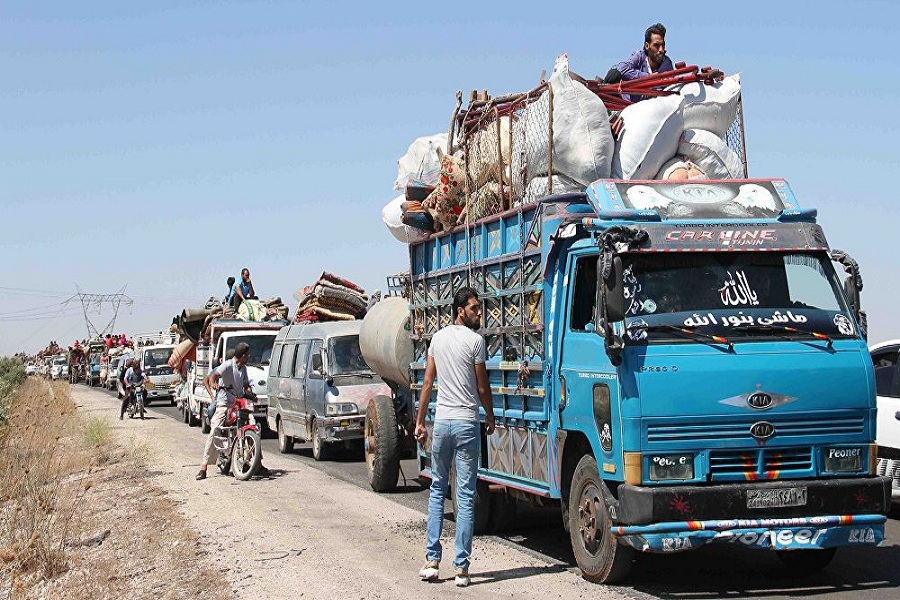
<point>459,441</point>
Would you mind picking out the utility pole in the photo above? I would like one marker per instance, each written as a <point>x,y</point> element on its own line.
<point>97,301</point>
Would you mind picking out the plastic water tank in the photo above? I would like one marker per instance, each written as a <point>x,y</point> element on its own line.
<point>384,340</point>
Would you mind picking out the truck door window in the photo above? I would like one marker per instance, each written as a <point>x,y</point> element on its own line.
<point>885,363</point>
<point>584,293</point>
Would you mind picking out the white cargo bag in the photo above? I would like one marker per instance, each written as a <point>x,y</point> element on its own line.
<point>649,137</point>
<point>583,143</point>
<point>421,161</point>
<point>392,215</point>
<point>710,152</point>
<point>711,107</point>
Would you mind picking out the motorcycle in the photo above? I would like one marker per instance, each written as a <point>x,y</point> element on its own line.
<point>136,403</point>
<point>238,441</point>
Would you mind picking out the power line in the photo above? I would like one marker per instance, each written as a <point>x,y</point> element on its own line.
<point>97,301</point>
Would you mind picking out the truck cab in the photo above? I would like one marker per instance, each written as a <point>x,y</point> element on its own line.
<point>163,379</point>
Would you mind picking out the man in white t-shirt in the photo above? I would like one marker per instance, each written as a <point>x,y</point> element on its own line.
<point>456,356</point>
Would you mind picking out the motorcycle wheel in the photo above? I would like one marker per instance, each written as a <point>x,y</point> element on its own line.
<point>246,456</point>
<point>141,407</point>
<point>131,409</point>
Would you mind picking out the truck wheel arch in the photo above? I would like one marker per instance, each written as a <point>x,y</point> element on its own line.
<point>576,446</point>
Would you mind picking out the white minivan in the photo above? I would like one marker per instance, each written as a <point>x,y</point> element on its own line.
<point>319,386</point>
<point>887,429</point>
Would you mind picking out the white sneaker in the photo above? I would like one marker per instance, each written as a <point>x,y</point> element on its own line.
<point>430,571</point>
<point>462,578</point>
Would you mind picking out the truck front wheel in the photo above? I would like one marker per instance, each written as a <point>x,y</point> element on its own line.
<point>382,444</point>
<point>598,554</point>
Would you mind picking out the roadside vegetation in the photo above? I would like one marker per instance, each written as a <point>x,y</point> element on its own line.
<point>48,457</point>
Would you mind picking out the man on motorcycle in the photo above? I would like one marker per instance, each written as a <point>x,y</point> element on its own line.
<point>133,377</point>
<point>227,382</point>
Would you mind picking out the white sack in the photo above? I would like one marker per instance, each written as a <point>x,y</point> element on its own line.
<point>685,169</point>
<point>649,138</point>
<point>583,144</point>
<point>711,107</point>
<point>392,215</point>
<point>422,158</point>
<point>538,187</point>
<point>710,152</point>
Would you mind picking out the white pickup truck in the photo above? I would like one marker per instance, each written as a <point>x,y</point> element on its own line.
<point>224,336</point>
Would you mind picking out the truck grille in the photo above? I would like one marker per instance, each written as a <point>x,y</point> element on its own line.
<point>739,432</point>
<point>763,463</point>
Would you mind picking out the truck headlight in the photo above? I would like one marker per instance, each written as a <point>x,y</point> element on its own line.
<point>671,466</point>
<point>342,408</point>
<point>844,460</point>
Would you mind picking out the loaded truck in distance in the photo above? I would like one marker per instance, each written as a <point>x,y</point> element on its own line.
<point>673,363</point>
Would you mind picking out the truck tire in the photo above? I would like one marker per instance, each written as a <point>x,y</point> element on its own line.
<point>205,425</point>
<point>597,552</point>
<point>285,441</point>
<point>382,444</point>
<point>320,448</point>
<point>805,562</point>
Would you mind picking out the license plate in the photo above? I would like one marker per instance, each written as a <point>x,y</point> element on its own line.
<point>776,497</point>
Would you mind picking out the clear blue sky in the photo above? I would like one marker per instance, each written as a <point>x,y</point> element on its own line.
<point>164,145</point>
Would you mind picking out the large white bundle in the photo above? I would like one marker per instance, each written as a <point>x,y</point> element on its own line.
<point>711,107</point>
<point>422,158</point>
<point>710,152</point>
<point>649,138</point>
<point>392,215</point>
<point>679,168</point>
<point>583,144</point>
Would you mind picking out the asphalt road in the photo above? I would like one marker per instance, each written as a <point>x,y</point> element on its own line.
<point>710,572</point>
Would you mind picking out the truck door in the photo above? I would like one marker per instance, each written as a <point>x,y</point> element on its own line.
<point>587,378</point>
<point>314,393</point>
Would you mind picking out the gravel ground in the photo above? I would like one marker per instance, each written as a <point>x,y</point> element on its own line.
<point>298,534</point>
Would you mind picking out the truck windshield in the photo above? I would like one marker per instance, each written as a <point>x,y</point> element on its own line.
<point>157,357</point>
<point>738,295</point>
<point>345,357</point>
<point>59,361</point>
<point>260,347</point>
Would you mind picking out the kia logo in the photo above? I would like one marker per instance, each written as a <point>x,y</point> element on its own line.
<point>762,430</point>
<point>699,193</point>
<point>759,401</point>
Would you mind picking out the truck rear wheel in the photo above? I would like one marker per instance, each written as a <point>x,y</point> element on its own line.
<point>382,444</point>
<point>805,562</point>
<point>503,511</point>
<point>597,552</point>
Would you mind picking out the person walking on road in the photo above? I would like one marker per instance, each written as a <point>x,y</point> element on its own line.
<point>224,385</point>
<point>456,356</point>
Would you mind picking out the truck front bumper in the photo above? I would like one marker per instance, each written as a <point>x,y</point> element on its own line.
<point>837,512</point>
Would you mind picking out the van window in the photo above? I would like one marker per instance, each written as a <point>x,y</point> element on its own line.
<point>315,360</point>
<point>276,358</point>
<point>300,362</point>
<point>288,354</point>
<point>885,372</point>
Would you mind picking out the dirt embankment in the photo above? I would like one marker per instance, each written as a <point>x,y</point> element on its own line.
<point>83,517</point>
<point>299,534</point>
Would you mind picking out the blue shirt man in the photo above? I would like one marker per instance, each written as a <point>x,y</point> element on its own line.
<point>646,61</point>
<point>242,289</point>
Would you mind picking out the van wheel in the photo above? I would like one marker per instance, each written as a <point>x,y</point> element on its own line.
<point>597,552</point>
<point>285,442</point>
<point>382,444</point>
<point>320,448</point>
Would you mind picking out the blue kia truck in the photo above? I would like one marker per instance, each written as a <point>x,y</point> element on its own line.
<point>674,364</point>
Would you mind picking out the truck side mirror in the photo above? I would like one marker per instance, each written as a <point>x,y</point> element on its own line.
<point>614,290</point>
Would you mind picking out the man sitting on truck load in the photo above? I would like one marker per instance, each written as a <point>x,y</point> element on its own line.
<point>242,290</point>
<point>456,355</point>
<point>223,385</point>
<point>645,61</point>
